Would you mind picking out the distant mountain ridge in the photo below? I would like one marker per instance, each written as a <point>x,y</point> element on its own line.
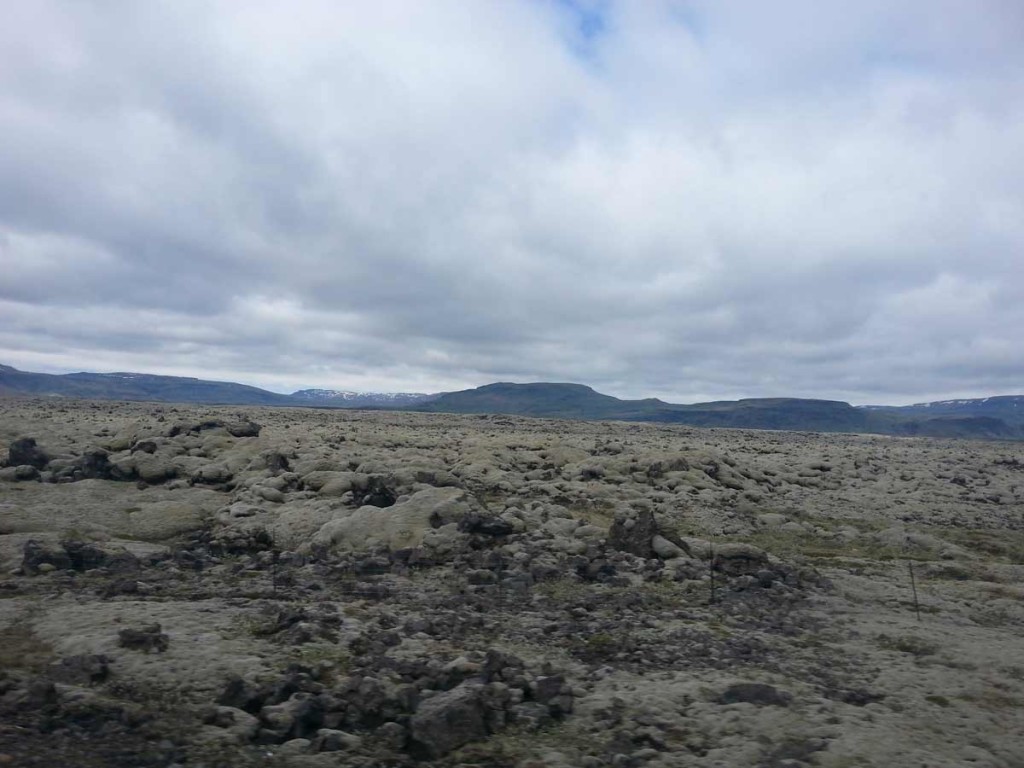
<point>999,417</point>
<point>134,386</point>
<point>183,389</point>
<point>579,401</point>
<point>966,418</point>
<point>1009,407</point>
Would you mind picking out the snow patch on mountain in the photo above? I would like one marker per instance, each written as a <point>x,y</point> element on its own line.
<point>344,397</point>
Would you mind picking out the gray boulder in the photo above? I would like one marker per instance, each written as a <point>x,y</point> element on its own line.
<point>22,472</point>
<point>739,559</point>
<point>211,474</point>
<point>244,428</point>
<point>241,724</point>
<point>153,468</point>
<point>332,740</point>
<point>448,720</point>
<point>300,717</point>
<point>665,549</point>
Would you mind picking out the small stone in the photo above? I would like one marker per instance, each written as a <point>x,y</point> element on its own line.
<point>755,693</point>
<point>331,740</point>
<point>148,638</point>
<point>243,725</point>
<point>295,747</point>
<point>391,735</point>
<point>26,472</point>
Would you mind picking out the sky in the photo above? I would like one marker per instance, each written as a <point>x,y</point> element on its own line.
<point>695,200</point>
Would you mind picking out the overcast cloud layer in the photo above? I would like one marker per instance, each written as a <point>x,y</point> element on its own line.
<point>692,200</point>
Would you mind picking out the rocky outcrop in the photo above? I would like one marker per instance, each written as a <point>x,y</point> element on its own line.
<point>239,428</point>
<point>638,533</point>
<point>25,452</point>
<point>40,557</point>
<point>403,525</point>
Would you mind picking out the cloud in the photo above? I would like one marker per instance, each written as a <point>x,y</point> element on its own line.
<point>682,199</point>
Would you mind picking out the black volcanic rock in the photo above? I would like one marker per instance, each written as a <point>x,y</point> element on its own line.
<point>24,451</point>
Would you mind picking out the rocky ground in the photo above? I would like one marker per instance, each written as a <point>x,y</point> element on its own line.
<point>282,587</point>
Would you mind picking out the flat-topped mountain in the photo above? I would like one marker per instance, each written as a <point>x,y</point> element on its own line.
<point>541,399</point>
<point>577,401</point>
<point>960,418</point>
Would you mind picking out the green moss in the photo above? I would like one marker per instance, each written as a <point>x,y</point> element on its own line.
<point>314,654</point>
<point>992,700</point>
<point>1002,545</point>
<point>793,544</point>
<point>911,644</point>
<point>600,644</point>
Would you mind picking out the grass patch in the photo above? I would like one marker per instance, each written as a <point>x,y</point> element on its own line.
<point>597,512</point>
<point>21,649</point>
<point>910,644</point>
<point>992,700</point>
<point>318,654</point>
<point>788,544</point>
<point>1004,591</point>
<point>1014,672</point>
<point>508,748</point>
<point>564,589</point>
<point>949,572</point>
<point>1003,545</point>
<point>650,596</point>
